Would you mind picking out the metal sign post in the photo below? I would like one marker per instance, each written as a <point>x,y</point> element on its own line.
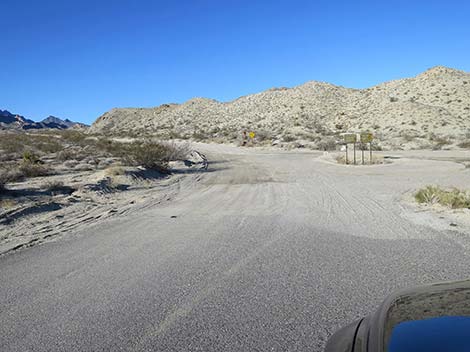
<point>354,153</point>
<point>367,137</point>
<point>348,139</point>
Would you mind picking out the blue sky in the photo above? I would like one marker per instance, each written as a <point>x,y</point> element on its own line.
<point>80,58</point>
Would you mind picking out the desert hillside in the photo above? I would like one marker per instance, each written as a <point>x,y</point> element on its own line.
<point>431,110</point>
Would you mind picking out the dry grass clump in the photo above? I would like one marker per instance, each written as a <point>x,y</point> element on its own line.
<point>115,171</point>
<point>7,203</point>
<point>453,198</point>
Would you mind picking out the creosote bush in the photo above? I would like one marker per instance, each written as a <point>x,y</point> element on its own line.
<point>151,155</point>
<point>10,175</point>
<point>327,144</point>
<point>29,169</point>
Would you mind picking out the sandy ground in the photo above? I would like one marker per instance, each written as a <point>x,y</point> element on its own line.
<point>266,250</point>
<point>31,215</point>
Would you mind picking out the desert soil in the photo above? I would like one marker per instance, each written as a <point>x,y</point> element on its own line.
<point>264,250</point>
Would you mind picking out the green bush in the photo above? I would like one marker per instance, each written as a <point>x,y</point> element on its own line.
<point>30,157</point>
<point>453,198</point>
<point>150,155</point>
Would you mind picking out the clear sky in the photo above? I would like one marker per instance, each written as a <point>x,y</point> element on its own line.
<point>80,58</point>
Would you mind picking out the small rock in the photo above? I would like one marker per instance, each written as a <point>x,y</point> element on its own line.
<point>453,224</point>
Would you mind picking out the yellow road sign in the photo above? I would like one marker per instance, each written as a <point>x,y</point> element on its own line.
<point>252,135</point>
<point>366,137</point>
<point>349,138</point>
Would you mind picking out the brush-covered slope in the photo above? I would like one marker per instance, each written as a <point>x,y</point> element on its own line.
<point>417,110</point>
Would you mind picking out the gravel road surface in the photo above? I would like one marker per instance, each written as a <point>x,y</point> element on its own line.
<point>267,251</point>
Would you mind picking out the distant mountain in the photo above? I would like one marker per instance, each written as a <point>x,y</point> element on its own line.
<point>15,121</point>
<point>56,122</point>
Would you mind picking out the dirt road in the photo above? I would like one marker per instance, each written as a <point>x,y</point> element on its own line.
<point>266,251</point>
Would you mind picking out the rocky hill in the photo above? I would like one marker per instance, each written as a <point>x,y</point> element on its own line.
<point>9,121</point>
<point>429,110</point>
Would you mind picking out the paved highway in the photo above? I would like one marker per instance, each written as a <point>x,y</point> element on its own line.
<point>271,251</point>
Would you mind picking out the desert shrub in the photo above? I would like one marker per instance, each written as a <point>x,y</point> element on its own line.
<point>408,137</point>
<point>262,135</point>
<point>439,142</point>
<point>29,169</point>
<point>177,151</point>
<point>464,144</point>
<point>428,195</point>
<point>327,144</point>
<point>453,198</point>
<point>8,157</point>
<point>288,138</point>
<point>376,146</point>
<point>10,175</point>
<point>13,143</point>
<point>339,126</point>
<point>175,134</point>
<point>7,203</point>
<point>30,157</point>
<point>66,154</point>
<point>53,186</point>
<point>18,143</point>
<point>72,136</point>
<point>199,136</point>
<point>51,146</point>
<point>151,155</point>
